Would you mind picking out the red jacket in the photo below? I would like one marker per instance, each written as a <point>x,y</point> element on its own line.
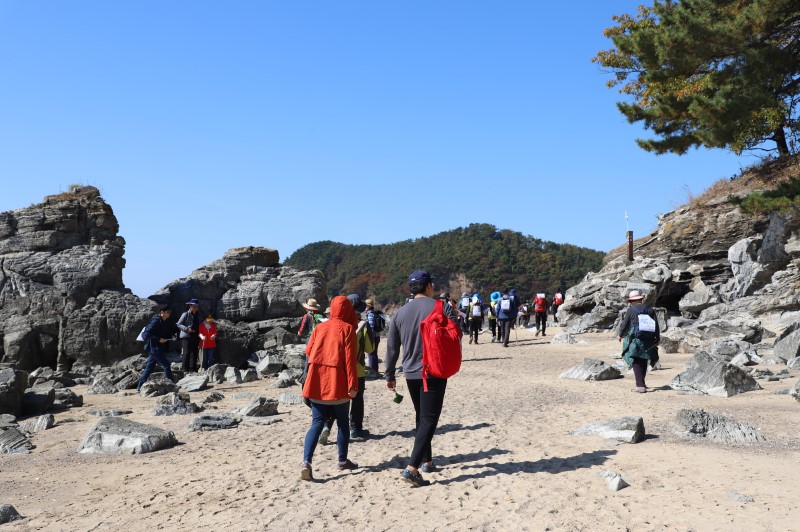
<point>332,354</point>
<point>539,304</point>
<point>210,333</point>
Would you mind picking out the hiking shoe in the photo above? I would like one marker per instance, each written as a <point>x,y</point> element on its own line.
<point>305,472</point>
<point>543,334</point>
<point>347,465</point>
<point>640,389</point>
<point>428,468</point>
<point>359,434</point>
<point>415,479</point>
<point>323,437</point>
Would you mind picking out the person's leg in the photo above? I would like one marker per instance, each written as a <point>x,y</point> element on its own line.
<point>476,327</point>
<point>185,354</point>
<point>357,407</point>
<point>318,414</point>
<point>430,409</point>
<point>506,332</point>
<point>343,437</point>
<point>493,328</point>
<point>148,369</point>
<point>161,358</point>
<point>209,357</point>
<point>544,322</point>
<point>194,343</point>
<point>639,371</point>
<point>414,390</point>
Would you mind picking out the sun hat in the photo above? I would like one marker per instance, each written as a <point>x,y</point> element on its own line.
<point>193,302</point>
<point>635,295</point>
<point>370,302</point>
<point>311,304</point>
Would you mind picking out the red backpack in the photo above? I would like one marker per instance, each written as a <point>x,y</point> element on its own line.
<point>441,345</point>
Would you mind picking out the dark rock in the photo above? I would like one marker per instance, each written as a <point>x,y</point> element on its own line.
<point>213,397</point>
<point>103,385</point>
<point>13,384</point>
<point>260,407</point>
<point>156,388</point>
<point>592,370</point>
<point>8,513</point>
<point>175,404</point>
<point>193,383</point>
<point>109,413</point>
<point>216,373</point>
<point>117,435</point>
<point>213,422</point>
<point>705,374</point>
<point>129,380</point>
<point>12,441</point>
<point>67,398</point>
<point>625,429</point>
<point>715,427</point>
<point>36,402</point>
<point>135,362</point>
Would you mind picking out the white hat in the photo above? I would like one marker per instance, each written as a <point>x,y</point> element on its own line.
<point>635,295</point>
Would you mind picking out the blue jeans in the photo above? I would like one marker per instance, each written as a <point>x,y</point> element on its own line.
<point>156,357</point>
<point>208,357</point>
<point>319,413</point>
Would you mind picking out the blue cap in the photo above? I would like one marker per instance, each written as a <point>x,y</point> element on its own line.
<point>419,277</point>
<point>193,302</point>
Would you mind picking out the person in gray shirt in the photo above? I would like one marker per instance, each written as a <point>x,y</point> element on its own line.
<point>404,331</point>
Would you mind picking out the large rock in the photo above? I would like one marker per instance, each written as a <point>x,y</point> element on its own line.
<point>213,422</point>
<point>175,403</point>
<point>38,424</point>
<point>12,441</point>
<point>789,347</point>
<point>67,398</point>
<point>8,513</point>
<point>193,383</point>
<point>708,375</point>
<point>715,427</point>
<point>625,429</point>
<point>37,401</point>
<point>12,389</point>
<point>259,407</point>
<point>592,370</point>
<point>157,387</point>
<point>102,386</point>
<point>117,435</point>
<point>216,373</point>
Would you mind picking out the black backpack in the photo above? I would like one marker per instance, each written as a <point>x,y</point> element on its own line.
<point>644,326</point>
<point>378,322</point>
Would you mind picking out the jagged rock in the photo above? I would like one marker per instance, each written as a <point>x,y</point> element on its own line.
<point>233,376</point>
<point>789,347</point>
<point>614,480</point>
<point>700,298</point>
<point>67,398</point>
<point>103,385</point>
<point>591,370</point>
<point>270,365</point>
<point>40,423</point>
<point>8,513</point>
<point>744,359</point>
<point>118,435</point>
<point>715,427</point>
<point>193,383</point>
<point>37,401</point>
<point>156,388</point>
<point>283,383</point>
<point>134,362</point>
<point>793,363</point>
<point>727,348</point>
<point>213,397</point>
<point>563,338</point>
<point>258,408</point>
<point>12,441</point>
<point>625,429</point>
<point>175,404</point>
<point>249,375</point>
<point>128,380</point>
<point>13,384</point>
<point>705,374</point>
<point>762,373</point>
<point>109,413</point>
<point>213,422</point>
<point>289,398</point>
<point>216,373</point>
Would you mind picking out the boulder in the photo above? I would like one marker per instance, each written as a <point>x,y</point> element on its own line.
<point>715,427</point>
<point>7,420</point>
<point>128,380</point>
<point>8,513</point>
<point>270,365</point>
<point>795,391</point>
<point>625,429</point>
<point>213,422</point>
<point>592,370</point>
<point>156,388</point>
<point>37,401</point>
<point>216,373</point>
<point>232,375</point>
<point>193,383</point>
<point>789,347</point>
<point>563,338</point>
<point>118,435</point>
<point>793,363</point>
<point>13,384</point>
<point>103,385</point>
<point>249,375</point>
<point>41,423</point>
<point>708,375</point>
<point>67,398</point>
<point>12,441</point>
<point>213,397</point>
<point>175,403</point>
<point>259,407</point>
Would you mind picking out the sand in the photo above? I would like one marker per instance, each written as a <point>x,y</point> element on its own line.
<point>507,461</point>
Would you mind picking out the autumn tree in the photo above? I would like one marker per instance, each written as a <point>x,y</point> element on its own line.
<point>712,73</point>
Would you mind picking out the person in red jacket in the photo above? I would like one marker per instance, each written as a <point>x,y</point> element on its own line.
<point>332,380</point>
<point>540,309</point>
<point>208,341</point>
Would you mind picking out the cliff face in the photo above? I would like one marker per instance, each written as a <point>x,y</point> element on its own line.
<point>61,287</point>
<point>711,270</point>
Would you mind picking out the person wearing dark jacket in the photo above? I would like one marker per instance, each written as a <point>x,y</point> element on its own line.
<point>506,309</point>
<point>156,335</point>
<point>639,350</point>
<point>189,324</point>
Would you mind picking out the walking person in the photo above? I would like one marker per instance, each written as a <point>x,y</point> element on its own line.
<point>506,314</point>
<point>642,335</point>
<point>523,317</point>
<point>492,310</point>
<point>331,381</point>
<point>463,312</point>
<point>208,341</point>
<point>377,323</point>
<point>189,324</point>
<point>558,300</point>
<point>540,310</point>
<point>404,330</point>
<point>475,318</point>
<point>310,319</point>
<point>156,335</point>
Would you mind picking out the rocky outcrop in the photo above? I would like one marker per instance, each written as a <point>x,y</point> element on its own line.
<point>706,374</point>
<point>717,428</point>
<point>257,302</point>
<point>61,284</point>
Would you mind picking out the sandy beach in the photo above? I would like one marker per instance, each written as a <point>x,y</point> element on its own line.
<point>506,459</point>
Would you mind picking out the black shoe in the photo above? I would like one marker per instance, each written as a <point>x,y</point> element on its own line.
<point>415,479</point>
<point>428,468</point>
<point>347,465</point>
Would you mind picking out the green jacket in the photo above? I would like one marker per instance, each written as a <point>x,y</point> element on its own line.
<point>636,348</point>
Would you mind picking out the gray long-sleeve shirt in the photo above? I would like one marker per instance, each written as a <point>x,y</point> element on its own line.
<point>404,331</point>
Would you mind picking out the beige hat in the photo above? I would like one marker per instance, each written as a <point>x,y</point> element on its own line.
<point>370,303</point>
<point>635,295</point>
<point>327,311</point>
<point>311,304</point>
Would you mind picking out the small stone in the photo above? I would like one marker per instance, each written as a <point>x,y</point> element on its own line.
<point>175,403</point>
<point>103,385</point>
<point>625,429</point>
<point>193,383</point>
<point>259,408</point>
<point>8,513</point>
<point>213,397</point>
<point>39,424</point>
<point>12,441</point>
<point>249,375</point>
<point>738,497</point>
<point>614,480</point>
<point>156,388</point>
<point>109,413</point>
<point>213,422</point>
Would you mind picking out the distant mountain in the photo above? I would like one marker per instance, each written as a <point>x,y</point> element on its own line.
<point>479,258</point>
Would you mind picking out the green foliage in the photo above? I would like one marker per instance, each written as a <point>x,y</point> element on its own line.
<point>785,198</point>
<point>489,258</point>
<point>713,73</point>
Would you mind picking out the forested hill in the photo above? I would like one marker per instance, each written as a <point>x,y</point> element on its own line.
<point>479,258</point>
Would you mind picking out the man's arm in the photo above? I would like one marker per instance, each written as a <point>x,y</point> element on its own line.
<point>392,351</point>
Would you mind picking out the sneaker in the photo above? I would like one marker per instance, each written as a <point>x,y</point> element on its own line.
<point>428,468</point>
<point>640,389</point>
<point>347,465</point>
<point>305,472</point>
<point>323,437</point>
<point>543,334</point>
<point>415,479</point>
<point>359,434</point>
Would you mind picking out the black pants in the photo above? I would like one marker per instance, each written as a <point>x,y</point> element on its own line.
<point>356,408</point>
<point>541,321</point>
<point>555,312</point>
<point>493,327</point>
<point>475,324</point>
<point>428,408</point>
<point>639,371</point>
<point>190,348</point>
<point>505,328</point>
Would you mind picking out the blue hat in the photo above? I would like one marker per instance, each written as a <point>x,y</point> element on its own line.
<point>419,277</point>
<point>193,302</point>
<point>496,296</point>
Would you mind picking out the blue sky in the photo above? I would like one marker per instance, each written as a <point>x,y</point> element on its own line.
<point>213,125</point>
